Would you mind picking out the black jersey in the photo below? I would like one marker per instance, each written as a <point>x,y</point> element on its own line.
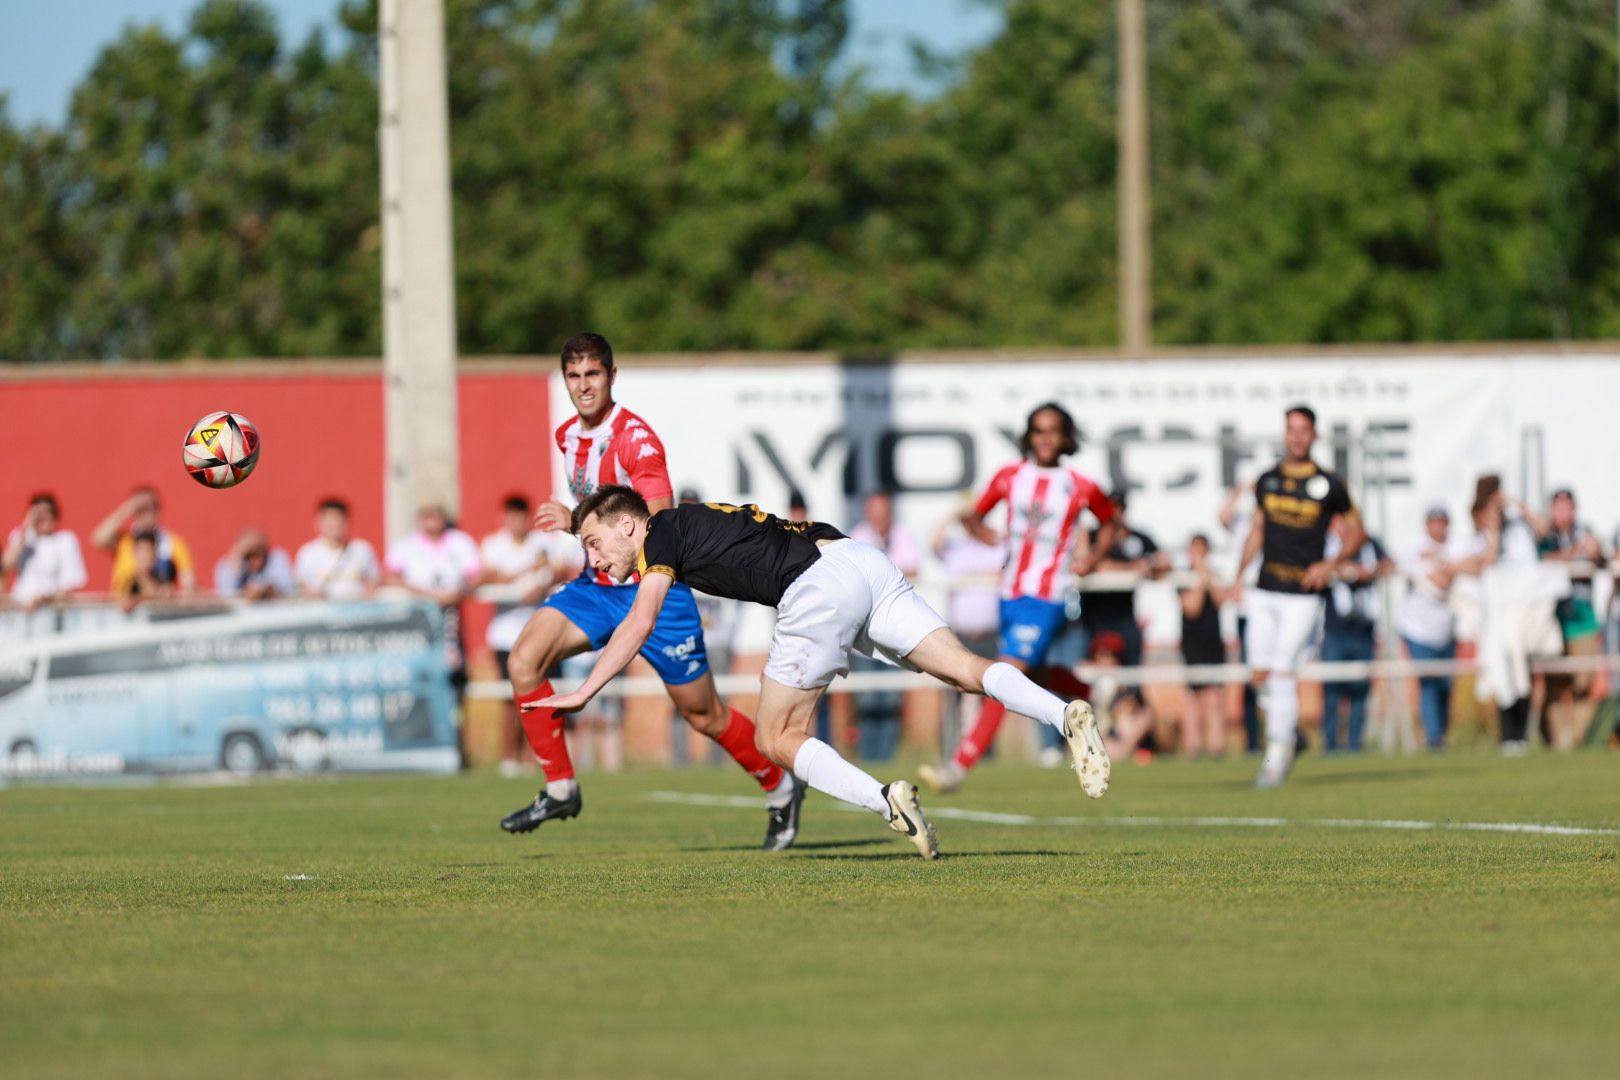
<point>1298,501</point>
<point>739,552</point>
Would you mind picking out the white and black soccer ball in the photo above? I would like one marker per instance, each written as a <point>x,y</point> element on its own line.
<point>221,449</point>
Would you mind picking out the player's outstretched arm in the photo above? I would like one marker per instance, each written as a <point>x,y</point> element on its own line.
<point>621,648</point>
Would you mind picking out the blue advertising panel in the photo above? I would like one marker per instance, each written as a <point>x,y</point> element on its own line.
<point>356,686</point>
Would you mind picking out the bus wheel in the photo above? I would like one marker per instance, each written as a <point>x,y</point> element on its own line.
<point>242,755</point>
<point>23,758</point>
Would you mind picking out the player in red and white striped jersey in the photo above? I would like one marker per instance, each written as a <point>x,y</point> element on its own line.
<point>1046,545</point>
<point>606,444</point>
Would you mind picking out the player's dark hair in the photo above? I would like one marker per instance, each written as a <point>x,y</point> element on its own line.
<point>516,501</point>
<point>1119,497</point>
<point>332,502</point>
<point>45,498</point>
<point>1562,493</point>
<point>1071,430</point>
<point>1198,538</point>
<point>796,501</point>
<point>148,490</point>
<point>1304,410</point>
<point>587,346</point>
<point>609,502</point>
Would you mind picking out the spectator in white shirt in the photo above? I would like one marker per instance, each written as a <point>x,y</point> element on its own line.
<point>1428,624</point>
<point>45,557</point>
<point>530,563</point>
<point>440,562</point>
<point>253,570</point>
<point>334,565</point>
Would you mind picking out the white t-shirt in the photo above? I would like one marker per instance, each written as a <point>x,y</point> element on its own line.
<point>337,573</point>
<point>901,548</point>
<point>51,564</point>
<point>1427,616</point>
<point>450,562</point>
<point>974,607</point>
<point>531,558</point>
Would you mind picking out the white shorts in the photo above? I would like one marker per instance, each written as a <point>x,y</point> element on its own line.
<point>1278,637</point>
<point>853,599</point>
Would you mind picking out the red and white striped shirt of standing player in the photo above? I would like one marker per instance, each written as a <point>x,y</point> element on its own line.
<point>622,449</point>
<point>1043,523</point>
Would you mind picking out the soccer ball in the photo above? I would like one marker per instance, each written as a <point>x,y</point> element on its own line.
<point>221,449</point>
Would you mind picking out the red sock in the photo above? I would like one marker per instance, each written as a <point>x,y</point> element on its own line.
<point>738,741</point>
<point>1063,682</point>
<point>977,741</point>
<point>544,728</point>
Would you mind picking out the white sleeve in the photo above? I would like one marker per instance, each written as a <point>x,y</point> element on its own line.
<point>73,575</point>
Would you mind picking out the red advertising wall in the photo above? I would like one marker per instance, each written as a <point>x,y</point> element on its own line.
<point>90,438</point>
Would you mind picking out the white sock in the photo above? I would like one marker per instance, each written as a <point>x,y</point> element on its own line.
<point>1014,689</point>
<point>562,789</point>
<point>782,794</point>
<point>1282,709</point>
<point>820,766</point>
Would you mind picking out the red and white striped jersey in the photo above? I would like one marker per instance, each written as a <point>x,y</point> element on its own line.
<point>1043,520</point>
<point>622,449</point>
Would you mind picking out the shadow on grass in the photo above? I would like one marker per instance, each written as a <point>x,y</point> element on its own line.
<point>819,844</point>
<point>1039,853</point>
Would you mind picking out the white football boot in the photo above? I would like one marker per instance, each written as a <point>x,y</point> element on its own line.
<point>1086,744</point>
<point>908,818</point>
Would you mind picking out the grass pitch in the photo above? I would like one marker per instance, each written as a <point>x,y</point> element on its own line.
<point>387,928</point>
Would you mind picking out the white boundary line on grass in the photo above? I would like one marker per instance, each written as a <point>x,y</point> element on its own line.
<point>988,817</point>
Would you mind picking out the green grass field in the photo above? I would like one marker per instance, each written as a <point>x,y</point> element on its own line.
<point>162,931</point>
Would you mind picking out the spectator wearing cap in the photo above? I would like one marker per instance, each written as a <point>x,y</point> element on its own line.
<point>1569,708</point>
<point>44,556</point>
<point>1428,625</point>
<point>141,515</point>
<point>253,570</point>
<point>1349,633</point>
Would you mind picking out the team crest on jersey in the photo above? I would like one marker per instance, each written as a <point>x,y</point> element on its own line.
<point>1317,486</point>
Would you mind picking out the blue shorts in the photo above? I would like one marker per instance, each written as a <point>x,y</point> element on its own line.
<point>675,648</point>
<point>1028,626</point>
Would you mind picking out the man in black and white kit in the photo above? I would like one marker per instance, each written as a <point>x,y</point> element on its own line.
<point>1295,500</point>
<point>833,596</point>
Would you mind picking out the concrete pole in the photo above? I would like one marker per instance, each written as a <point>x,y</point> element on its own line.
<point>1135,302</point>
<point>419,295</point>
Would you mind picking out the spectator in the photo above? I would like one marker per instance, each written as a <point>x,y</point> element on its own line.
<point>1114,610</point>
<point>254,570</point>
<point>141,513</point>
<point>973,609</point>
<point>1428,625</point>
<point>1519,623</point>
<point>333,565</point>
<point>530,562</point>
<point>1203,723</point>
<point>877,712</point>
<point>1568,710</point>
<point>440,562</point>
<point>150,576</point>
<point>44,557</point>
<point>1349,633</point>
<point>798,509</point>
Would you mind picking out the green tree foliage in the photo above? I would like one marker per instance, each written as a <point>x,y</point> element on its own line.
<point>702,174</point>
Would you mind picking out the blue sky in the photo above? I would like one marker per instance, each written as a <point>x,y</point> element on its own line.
<point>46,46</point>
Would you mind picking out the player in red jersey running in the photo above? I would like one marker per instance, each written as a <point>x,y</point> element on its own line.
<point>607,444</point>
<point>1045,545</point>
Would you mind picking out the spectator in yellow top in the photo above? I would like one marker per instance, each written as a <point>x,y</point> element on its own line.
<point>139,514</point>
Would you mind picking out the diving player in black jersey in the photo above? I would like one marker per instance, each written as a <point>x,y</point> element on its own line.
<point>1295,501</point>
<point>833,595</point>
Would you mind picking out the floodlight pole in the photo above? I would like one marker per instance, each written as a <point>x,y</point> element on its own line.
<point>1135,299</point>
<point>419,296</point>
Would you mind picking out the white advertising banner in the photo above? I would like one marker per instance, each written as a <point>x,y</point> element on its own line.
<point>1405,431</point>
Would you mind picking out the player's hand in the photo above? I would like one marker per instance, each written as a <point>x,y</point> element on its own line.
<point>561,702</point>
<point>553,516</point>
<point>1317,577</point>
